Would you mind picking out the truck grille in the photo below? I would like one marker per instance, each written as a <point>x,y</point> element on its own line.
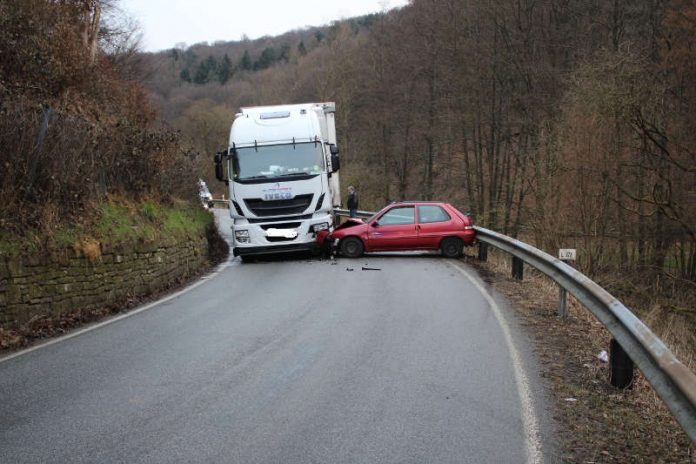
<point>263,208</point>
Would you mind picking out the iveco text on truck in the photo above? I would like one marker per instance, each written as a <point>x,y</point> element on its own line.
<point>282,171</point>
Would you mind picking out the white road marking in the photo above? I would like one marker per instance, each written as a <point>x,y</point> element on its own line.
<point>221,267</point>
<point>529,419</point>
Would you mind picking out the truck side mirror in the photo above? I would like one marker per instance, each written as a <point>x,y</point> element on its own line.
<point>335,160</point>
<point>219,170</point>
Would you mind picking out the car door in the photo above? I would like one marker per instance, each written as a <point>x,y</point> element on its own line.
<point>433,224</point>
<point>393,230</point>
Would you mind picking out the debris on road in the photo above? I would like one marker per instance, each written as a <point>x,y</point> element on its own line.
<point>603,356</point>
<point>370,269</point>
<point>349,269</point>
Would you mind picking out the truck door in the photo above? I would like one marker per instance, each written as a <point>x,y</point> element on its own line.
<point>394,230</point>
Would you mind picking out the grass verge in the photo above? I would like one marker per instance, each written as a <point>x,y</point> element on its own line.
<point>597,422</point>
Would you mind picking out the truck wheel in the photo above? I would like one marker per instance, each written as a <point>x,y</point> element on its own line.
<point>451,247</point>
<point>352,247</point>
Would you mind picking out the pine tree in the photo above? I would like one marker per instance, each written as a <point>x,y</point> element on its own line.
<point>267,58</point>
<point>185,75</point>
<point>201,75</point>
<point>224,71</point>
<point>284,53</point>
<point>245,63</point>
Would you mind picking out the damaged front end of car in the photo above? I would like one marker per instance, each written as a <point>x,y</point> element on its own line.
<point>326,239</point>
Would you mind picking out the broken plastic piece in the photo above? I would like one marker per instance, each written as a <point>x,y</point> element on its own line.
<point>603,356</point>
<point>370,269</point>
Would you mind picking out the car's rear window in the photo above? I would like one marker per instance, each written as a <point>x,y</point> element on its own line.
<point>432,213</point>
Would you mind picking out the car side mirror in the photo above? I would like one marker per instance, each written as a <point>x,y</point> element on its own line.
<point>375,224</point>
<point>333,148</point>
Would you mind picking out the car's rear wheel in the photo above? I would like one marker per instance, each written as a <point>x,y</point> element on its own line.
<point>352,247</point>
<point>451,247</point>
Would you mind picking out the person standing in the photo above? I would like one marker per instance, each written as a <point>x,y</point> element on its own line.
<point>352,201</point>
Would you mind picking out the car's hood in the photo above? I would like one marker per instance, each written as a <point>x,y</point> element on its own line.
<point>353,226</point>
<point>352,222</point>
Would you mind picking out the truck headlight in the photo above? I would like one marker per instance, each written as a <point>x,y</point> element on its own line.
<point>320,226</point>
<point>242,236</point>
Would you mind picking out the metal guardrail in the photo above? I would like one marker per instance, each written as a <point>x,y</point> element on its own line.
<point>218,203</point>
<point>345,212</point>
<point>671,379</point>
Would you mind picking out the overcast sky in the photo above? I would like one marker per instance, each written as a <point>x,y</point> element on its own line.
<point>168,22</point>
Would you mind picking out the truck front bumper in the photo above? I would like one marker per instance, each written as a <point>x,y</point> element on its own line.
<point>258,238</point>
<point>276,249</point>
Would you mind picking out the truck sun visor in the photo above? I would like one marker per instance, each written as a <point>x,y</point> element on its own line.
<point>275,115</point>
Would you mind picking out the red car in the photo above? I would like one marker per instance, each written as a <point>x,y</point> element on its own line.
<point>412,225</point>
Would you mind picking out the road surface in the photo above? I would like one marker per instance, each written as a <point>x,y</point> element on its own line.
<point>293,361</point>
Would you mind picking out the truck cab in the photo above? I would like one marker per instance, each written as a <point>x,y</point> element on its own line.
<point>282,171</point>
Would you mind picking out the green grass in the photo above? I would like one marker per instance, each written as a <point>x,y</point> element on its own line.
<point>185,222</point>
<point>65,237</point>
<point>150,221</point>
<point>150,210</point>
<point>9,245</point>
<point>115,222</point>
<point>13,245</point>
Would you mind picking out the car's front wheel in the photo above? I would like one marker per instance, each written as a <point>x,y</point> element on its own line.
<point>352,247</point>
<point>451,247</point>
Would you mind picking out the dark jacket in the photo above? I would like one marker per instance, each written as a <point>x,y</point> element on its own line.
<point>353,200</point>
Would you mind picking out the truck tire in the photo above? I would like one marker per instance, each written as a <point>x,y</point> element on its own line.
<point>451,247</point>
<point>352,247</point>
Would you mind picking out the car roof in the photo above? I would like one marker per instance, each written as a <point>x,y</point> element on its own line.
<point>418,202</point>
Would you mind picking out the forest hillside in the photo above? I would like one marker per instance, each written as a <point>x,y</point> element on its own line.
<point>568,123</point>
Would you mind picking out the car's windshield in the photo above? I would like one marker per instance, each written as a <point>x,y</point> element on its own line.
<point>274,161</point>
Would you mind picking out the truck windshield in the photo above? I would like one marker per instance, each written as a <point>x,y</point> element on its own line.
<point>274,161</point>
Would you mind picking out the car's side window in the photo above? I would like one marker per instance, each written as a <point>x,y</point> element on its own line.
<point>400,215</point>
<point>432,213</point>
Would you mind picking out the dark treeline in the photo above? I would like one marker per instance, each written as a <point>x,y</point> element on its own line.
<point>567,122</point>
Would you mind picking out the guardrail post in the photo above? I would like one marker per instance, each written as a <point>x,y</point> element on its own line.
<point>517,268</point>
<point>483,251</point>
<point>621,375</point>
<point>562,301</point>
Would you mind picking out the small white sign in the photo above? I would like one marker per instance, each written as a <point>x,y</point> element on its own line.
<point>567,254</point>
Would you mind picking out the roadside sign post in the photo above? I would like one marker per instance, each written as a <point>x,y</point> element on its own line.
<point>517,268</point>
<point>564,254</point>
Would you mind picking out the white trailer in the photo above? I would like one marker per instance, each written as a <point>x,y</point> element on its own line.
<point>282,172</point>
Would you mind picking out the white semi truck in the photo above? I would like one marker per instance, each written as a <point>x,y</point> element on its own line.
<point>281,167</point>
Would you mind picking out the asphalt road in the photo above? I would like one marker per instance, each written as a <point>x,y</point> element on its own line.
<point>294,361</point>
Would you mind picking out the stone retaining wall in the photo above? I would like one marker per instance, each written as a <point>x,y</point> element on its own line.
<point>35,286</point>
